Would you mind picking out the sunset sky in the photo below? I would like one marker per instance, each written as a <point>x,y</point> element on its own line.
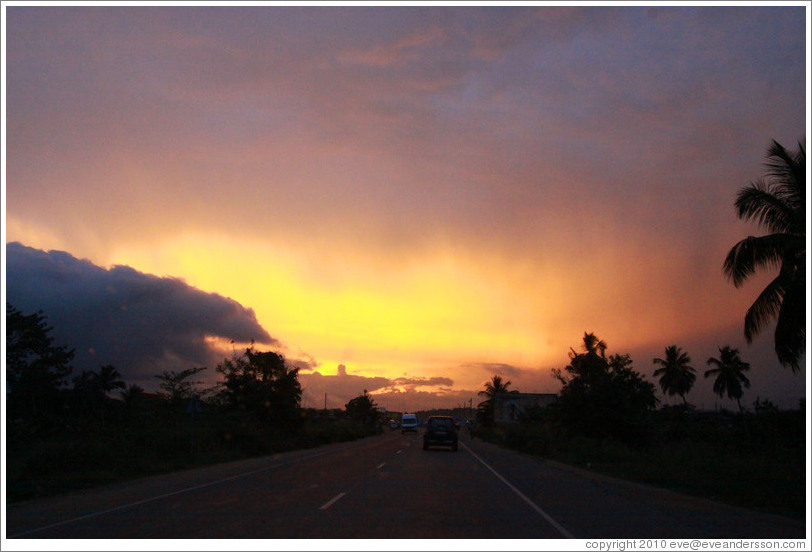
<point>401,199</point>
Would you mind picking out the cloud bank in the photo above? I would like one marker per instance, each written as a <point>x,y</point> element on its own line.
<point>144,324</point>
<point>414,191</point>
<point>140,323</point>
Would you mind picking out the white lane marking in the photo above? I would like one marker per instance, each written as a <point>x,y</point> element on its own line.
<point>382,464</point>
<point>398,452</point>
<point>521,495</point>
<point>146,500</point>
<point>332,501</point>
<point>180,491</point>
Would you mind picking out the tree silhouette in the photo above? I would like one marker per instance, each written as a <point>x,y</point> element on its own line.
<point>729,373</point>
<point>592,344</point>
<point>108,379</point>
<point>176,386</point>
<point>485,409</point>
<point>589,364</point>
<point>777,203</point>
<point>495,387</point>
<point>363,408</point>
<point>85,391</point>
<point>36,369</point>
<point>676,374</point>
<point>603,397</point>
<point>92,388</point>
<point>132,394</point>
<point>261,383</point>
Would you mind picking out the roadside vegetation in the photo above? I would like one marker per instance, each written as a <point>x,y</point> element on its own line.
<point>606,417</point>
<point>755,459</point>
<point>65,433</point>
<point>606,420</point>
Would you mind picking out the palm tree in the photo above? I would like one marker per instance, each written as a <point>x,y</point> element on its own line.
<point>594,345</point>
<point>779,205</point>
<point>676,374</point>
<point>85,388</point>
<point>729,374</point>
<point>108,379</point>
<point>589,364</point>
<point>493,388</point>
<point>132,396</point>
<point>131,393</point>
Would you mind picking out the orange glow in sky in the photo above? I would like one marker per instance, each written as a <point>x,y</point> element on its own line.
<point>378,319</point>
<point>414,193</point>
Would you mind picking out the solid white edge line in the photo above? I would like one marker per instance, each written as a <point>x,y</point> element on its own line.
<point>332,501</point>
<point>274,465</point>
<point>144,501</point>
<point>521,495</point>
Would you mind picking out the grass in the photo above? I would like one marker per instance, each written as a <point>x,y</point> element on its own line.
<point>42,464</point>
<point>772,481</point>
<point>758,462</point>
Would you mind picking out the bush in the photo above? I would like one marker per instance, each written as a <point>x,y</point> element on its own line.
<point>59,457</point>
<point>605,398</point>
<point>713,454</point>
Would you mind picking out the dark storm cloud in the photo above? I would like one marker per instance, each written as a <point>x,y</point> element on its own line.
<point>576,166</point>
<point>497,368</point>
<point>140,323</point>
<point>303,361</point>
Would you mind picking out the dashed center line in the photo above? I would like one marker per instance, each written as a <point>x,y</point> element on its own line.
<point>398,452</point>
<point>382,464</point>
<point>183,490</point>
<point>332,501</point>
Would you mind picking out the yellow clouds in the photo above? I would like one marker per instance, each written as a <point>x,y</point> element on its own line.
<point>433,309</point>
<point>339,306</point>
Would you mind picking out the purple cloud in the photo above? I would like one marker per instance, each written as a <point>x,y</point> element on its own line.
<point>140,323</point>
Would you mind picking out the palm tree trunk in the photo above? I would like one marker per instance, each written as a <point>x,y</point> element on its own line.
<point>744,423</point>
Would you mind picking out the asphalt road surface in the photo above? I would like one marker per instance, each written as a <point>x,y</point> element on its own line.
<point>387,487</point>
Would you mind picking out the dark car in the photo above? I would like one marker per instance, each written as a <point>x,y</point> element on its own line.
<point>440,432</point>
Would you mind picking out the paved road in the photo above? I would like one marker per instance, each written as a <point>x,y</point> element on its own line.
<point>387,487</point>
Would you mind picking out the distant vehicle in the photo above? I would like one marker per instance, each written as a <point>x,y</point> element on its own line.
<point>408,422</point>
<point>393,424</point>
<point>440,432</point>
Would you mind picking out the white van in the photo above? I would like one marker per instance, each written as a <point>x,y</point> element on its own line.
<point>408,422</point>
